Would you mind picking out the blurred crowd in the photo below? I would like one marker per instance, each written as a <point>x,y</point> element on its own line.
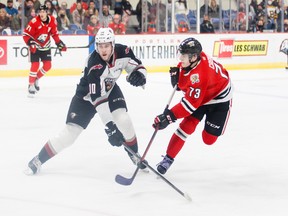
<point>87,16</point>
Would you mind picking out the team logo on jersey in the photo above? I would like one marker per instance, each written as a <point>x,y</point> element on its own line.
<point>73,115</point>
<point>109,83</point>
<point>42,38</point>
<point>99,66</point>
<point>194,78</point>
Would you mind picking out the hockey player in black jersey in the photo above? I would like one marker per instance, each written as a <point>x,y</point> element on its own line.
<point>98,92</point>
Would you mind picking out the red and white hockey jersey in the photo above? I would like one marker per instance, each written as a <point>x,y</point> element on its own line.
<point>207,83</point>
<point>41,32</point>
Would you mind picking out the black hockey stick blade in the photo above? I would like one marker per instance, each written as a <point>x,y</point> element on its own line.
<point>128,181</point>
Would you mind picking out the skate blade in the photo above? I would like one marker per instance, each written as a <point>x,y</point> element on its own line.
<point>28,172</point>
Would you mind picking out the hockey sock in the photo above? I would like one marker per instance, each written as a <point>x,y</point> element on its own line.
<point>133,145</point>
<point>42,71</point>
<point>208,138</point>
<point>33,72</point>
<point>175,145</point>
<point>46,153</point>
<point>186,128</point>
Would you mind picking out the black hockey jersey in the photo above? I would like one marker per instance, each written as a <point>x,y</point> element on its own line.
<point>99,77</point>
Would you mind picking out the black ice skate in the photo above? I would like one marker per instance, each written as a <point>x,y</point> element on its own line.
<point>136,160</point>
<point>36,85</point>
<point>31,90</point>
<point>34,166</point>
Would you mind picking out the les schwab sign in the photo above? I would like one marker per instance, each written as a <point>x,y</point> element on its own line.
<point>228,48</point>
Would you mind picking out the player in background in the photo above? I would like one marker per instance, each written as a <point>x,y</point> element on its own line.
<point>207,91</point>
<point>37,37</point>
<point>98,91</point>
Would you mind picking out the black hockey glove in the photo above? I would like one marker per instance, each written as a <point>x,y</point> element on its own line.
<point>163,120</point>
<point>61,46</point>
<point>137,78</point>
<point>115,137</point>
<point>174,75</point>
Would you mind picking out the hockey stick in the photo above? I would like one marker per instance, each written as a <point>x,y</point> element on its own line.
<point>128,181</point>
<point>78,47</point>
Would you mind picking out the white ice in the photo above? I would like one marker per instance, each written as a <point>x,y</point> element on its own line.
<point>245,173</point>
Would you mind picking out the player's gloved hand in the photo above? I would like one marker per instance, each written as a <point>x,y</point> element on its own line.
<point>137,78</point>
<point>174,75</point>
<point>163,120</point>
<point>32,46</point>
<point>61,46</point>
<point>115,137</point>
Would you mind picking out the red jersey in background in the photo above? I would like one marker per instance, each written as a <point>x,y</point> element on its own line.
<point>40,32</point>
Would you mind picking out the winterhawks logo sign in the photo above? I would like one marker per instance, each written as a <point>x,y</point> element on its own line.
<point>228,48</point>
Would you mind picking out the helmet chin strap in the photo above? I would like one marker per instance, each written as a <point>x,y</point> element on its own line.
<point>192,65</point>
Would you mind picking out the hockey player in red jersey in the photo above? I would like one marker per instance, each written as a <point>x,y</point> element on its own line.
<point>37,37</point>
<point>98,92</point>
<point>207,91</point>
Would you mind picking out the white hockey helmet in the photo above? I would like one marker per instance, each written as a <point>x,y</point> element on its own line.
<point>104,35</point>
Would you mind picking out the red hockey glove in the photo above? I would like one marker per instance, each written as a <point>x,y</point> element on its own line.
<point>32,46</point>
<point>61,46</point>
<point>163,120</point>
<point>32,49</point>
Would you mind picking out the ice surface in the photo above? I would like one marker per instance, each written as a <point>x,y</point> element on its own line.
<point>244,174</point>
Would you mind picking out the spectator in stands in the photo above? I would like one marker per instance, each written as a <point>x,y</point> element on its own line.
<point>52,9</point>
<point>241,19</point>
<point>78,15</point>
<point>90,12</point>
<point>64,6</point>
<point>117,25</point>
<point>16,21</point>
<point>5,21</point>
<point>106,17</point>
<point>10,9</point>
<point>253,9</point>
<point>93,6</point>
<point>74,6</point>
<point>214,9</point>
<point>206,26</point>
<point>123,8</point>
<point>181,10</point>
<point>205,9</point>
<point>93,25</point>
<point>260,25</point>
<point>63,22</point>
<point>139,10</point>
<point>17,3</point>
<point>161,12</point>
<point>2,5</point>
<point>31,15</point>
<point>285,26</point>
<point>37,5</point>
<point>118,7</point>
<point>28,5</point>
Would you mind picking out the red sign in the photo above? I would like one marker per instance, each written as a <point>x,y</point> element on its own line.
<point>226,48</point>
<point>3,52</point>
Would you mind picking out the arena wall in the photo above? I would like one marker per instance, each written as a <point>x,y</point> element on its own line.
<point>158,52</point>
